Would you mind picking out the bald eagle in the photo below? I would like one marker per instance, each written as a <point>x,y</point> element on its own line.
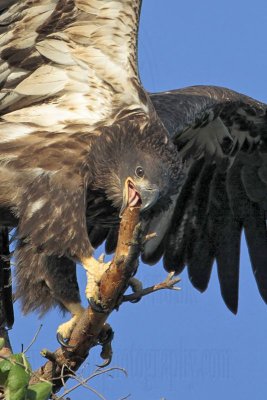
<point>80,139</point>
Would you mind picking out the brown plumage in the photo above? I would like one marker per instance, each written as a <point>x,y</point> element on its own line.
<point>76,124</point>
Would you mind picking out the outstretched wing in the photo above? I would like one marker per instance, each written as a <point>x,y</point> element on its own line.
<point>67,68</point>
<point>68,64</point>
<point>222,135</point>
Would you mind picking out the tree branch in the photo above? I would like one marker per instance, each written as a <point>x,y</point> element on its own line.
<point>113,284</point>
<point>168,283</point>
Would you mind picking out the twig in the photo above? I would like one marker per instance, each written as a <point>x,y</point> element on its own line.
<point>48,354</point>
<point>34,339</point>
<point>104,371</point>
<point>168,283</point>
<point>62,377</point>
<point>82,382</point>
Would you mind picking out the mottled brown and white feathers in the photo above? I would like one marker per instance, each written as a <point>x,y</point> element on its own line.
<point>81,54</point>
<point>68,74</point>
<point>67,69</point>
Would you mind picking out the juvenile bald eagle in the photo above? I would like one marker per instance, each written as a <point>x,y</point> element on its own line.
<point>80,139</point>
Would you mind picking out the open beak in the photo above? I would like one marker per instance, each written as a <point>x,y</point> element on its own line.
<point>138,196</point>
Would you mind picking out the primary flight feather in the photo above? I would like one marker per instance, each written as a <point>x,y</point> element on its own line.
<point>80,139</point>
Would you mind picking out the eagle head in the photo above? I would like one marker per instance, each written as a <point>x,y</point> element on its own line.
<point>135,164</point>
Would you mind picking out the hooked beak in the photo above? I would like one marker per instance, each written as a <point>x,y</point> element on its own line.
<point>138,196</point>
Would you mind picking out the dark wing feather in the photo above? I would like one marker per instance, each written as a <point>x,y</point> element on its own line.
<point>6,301</point>
<point>225,233</point>
<point>97,235</point>
<point>176,239</point>
<point>223,136</point>
<point>202,247</point>
<point>5,4</point>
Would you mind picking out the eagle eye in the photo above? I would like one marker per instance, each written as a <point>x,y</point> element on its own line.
<point>139,172</point>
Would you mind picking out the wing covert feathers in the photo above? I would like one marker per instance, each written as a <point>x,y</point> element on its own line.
<point>79,56</point>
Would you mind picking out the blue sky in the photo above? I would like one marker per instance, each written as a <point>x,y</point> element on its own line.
<point>183,344</point>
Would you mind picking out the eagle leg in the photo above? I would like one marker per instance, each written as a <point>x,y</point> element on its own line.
<point>94,270</point>
<point>64,330</point>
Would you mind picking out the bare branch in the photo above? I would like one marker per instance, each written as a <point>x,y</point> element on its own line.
<point>126,397</point>
<point>113,284</point>
<point>168,283</point>
<point>83,382</point>
<point>34,339</point>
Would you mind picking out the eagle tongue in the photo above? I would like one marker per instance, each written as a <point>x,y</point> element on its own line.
<point>134,198</point>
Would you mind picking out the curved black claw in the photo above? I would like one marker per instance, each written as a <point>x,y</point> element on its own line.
<point>63,342</point>
<point>105,363</point>
<point>106,354</point>
<point>105,338</point>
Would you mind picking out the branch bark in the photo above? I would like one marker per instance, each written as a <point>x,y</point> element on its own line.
<point>113,284</point>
